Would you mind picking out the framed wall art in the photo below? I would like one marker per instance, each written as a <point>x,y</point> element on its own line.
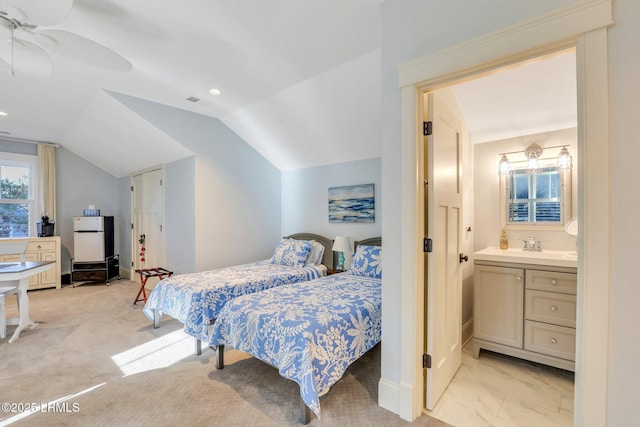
<point>352,203</point>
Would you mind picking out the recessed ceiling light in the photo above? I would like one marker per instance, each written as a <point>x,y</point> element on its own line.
<point>214,91</point>
<point>2,113</point>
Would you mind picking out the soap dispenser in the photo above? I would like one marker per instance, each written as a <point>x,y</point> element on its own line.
<point>504,242</point>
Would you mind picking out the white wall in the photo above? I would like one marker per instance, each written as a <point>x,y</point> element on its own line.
<point>487,184</point>
<point>180,215</point>
<point>412,29</point>
<point>123,226</point>
<point>236,192</point>
<point>79,184</point>
<point>624,348</point>
<point>305,199</point>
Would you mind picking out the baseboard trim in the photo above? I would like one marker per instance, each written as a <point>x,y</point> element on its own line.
<point>467,331</point>
<point>388,394</point>
<point>396,398</point>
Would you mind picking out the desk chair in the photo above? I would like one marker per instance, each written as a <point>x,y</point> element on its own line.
<point>9,248</point>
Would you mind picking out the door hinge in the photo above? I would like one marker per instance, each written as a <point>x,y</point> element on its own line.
<point>427,128</point>
<point>132,226</point>
<point>427,245</point>
<point>131,263</point>
<point>160,183</point>
<point>132,188</point>
<point>160,227</point>
<point>426,361</point>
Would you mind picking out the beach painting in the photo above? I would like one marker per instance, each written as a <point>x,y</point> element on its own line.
<point>352,203</point>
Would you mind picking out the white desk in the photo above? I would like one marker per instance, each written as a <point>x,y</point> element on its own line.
<point>21,271</point>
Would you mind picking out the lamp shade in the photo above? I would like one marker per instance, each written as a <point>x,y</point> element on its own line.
<point>341,244</point>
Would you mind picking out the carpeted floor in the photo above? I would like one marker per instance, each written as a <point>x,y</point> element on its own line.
<point>96,360</point>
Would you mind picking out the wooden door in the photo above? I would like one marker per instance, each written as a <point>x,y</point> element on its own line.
<point>443,219</point>
<point>147,237</point>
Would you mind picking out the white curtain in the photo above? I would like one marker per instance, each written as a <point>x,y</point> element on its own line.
<point>47,180</point>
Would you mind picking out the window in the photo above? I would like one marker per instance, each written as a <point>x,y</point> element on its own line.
<point>535,197</point>
<point>539,198</point>
<point>17,195</point>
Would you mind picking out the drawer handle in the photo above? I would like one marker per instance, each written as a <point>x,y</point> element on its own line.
<point>554,282</point>
<point>554,308</point>
<point>553,341</point>
<point>39,247</point>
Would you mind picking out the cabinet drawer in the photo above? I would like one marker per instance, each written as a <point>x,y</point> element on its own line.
<point>566,283</point>
<point>41,246</point>
<point>550,307</point>
<point>558,341</point>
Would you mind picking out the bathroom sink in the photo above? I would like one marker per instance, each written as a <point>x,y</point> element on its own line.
<point>545,257</point>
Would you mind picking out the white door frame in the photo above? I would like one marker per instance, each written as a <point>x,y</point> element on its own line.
<point>583,25</point>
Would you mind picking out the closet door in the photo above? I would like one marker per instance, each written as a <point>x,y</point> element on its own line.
<point>147,235</point>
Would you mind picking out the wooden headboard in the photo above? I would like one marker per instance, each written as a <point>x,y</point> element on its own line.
<point>327,258</point>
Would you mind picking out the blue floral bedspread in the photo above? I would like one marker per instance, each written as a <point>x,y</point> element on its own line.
<point>311,331</point>
<point>195,299</point>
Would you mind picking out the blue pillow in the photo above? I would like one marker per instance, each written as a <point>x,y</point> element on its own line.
<point>291,252</point>
<point>367,262</point>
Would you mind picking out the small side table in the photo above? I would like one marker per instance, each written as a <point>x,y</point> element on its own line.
<point>145,273</point>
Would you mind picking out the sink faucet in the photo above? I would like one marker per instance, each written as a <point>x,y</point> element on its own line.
<point>531,244</point>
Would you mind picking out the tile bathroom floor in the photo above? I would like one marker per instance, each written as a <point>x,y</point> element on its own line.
<point>503,391</point>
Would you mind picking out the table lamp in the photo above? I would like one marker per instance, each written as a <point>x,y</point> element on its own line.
<point>341,245</point>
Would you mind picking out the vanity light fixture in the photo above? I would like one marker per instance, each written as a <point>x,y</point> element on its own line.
<point>533,155</point>
<point>564,159</point>
<point>504,167</point>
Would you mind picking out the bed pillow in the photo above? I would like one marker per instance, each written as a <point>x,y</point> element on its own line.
<point>315,254</point>
<point>291,252</point>
<point>367,262</point>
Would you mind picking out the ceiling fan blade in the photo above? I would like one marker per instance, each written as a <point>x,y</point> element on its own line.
<point>28,58</point>
<point>37,12</point>
<point>81,49</point>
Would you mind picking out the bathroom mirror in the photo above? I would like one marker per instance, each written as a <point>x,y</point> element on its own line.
<point>572,227</point>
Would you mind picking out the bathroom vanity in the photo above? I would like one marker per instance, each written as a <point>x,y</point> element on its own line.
<point>525,305</point>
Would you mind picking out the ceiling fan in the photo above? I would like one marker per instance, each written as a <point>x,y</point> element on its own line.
<point>22,18</point>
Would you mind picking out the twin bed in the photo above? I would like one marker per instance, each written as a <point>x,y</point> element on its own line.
<point>311,331</point>
<point>195,299</point>
<point>284,311</point>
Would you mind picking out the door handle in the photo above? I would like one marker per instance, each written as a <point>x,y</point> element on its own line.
<point>463,258</point>
<point>142,239</point>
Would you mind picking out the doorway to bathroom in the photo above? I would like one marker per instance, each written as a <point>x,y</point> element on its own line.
<point>504,112</point>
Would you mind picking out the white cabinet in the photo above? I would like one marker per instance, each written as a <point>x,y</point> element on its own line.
<point>498,305</point>
<point>41,249</point>
<point>526,311</point>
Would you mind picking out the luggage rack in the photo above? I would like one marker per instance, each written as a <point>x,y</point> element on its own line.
<point>95,271</point>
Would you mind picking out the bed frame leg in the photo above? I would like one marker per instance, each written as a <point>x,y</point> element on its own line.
<point>156,319</point>
<point>220,357</point>
<point>198,347</point>
<point>305,413</point>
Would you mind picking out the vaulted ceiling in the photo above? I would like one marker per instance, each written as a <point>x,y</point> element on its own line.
<point>299,81</point>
